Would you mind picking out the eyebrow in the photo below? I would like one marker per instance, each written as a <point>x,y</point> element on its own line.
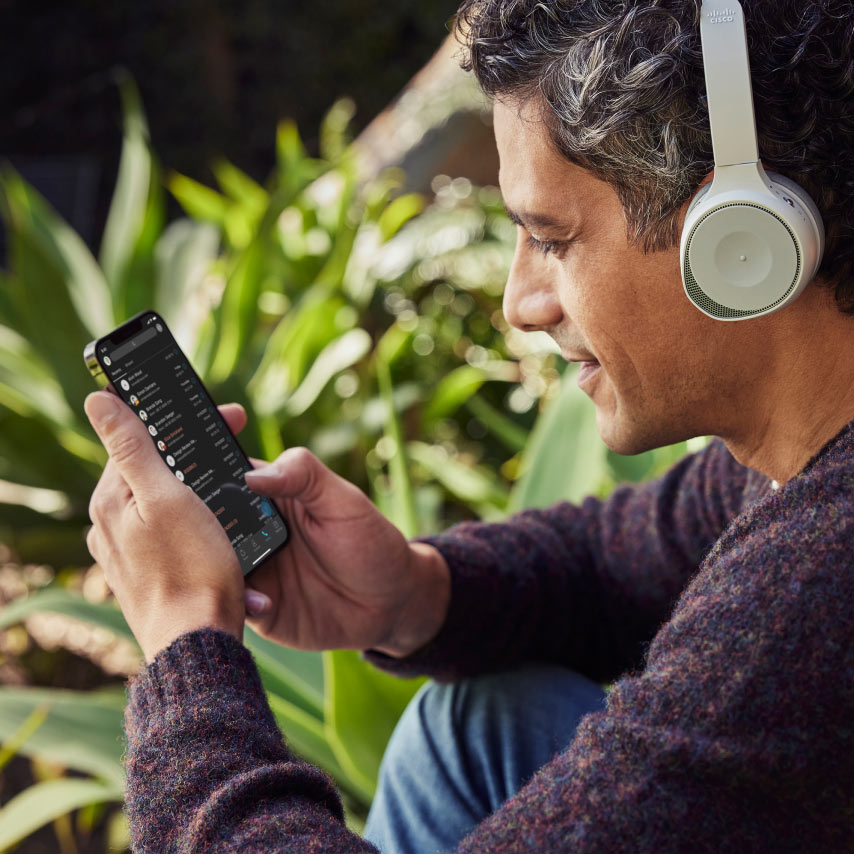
<point>530,218</point>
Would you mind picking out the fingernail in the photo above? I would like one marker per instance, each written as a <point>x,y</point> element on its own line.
<point>264,471</point>
<point>101,407</point>
<point>256,603</point>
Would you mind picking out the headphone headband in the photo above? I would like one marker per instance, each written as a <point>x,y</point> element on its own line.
<point>728,88</point>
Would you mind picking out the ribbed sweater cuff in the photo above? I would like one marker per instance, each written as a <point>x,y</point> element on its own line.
<point>203,664</point>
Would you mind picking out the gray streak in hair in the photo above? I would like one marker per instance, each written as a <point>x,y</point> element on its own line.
<point>624,92</point>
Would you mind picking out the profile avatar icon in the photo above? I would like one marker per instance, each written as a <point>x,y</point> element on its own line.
<point>171,460</point>
<point>152,429</point>
<point>108,361</point>
<point>161,444</point>
<point>180,475</point>
<point>134,400</point>
<point>125,385</point>
<point>143,415</point>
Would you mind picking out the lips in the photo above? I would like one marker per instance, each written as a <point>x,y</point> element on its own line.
<point>587,371</point>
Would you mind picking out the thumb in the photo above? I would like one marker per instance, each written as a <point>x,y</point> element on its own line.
<point>296,473</point>
<point>126,439</point>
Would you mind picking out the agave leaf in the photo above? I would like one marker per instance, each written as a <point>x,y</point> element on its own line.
<point>565,459</point>
<point>126,217</point>
<point>45,802</point>
<point>57,600</point>
<point>83,730</point>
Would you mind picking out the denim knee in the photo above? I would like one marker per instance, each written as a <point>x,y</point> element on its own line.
<point>461,749</point>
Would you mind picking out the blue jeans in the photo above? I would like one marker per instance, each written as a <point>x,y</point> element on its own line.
<point>459,751</point>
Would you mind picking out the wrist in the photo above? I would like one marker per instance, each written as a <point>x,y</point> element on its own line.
<point>423,613</point>
<point>168,624</point>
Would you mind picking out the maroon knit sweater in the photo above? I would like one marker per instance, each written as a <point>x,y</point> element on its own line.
<point>726,606</point>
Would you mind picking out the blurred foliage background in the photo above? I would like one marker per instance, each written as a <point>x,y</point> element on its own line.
<point>346,313</point>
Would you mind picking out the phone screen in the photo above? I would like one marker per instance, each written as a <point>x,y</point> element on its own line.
<point>149,371</point>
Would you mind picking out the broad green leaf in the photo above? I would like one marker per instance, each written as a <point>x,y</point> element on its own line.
<point>453,390</point>
<point>30,454</point>
<point>126,218</point>
<point>57,292</point>
<point>13,743</point>
<point>293,675</point>
<point>199,201</point>
<point>27,384</point>
<point>32,220</point>
<point>504,428</point>
<point>398,213</point>
<point>44,802</point>
<point>474,486</point>
<point>83,730</point>
<point>185,255</point>
<point>308,737</point>
<point>565,459</point>
<point>404,515</point>
<point>302,333</point>
<point>334,358</point>
<point>238,311</point>
<point>362,707</point>
<point>241,187</point>
<point>57,600</point>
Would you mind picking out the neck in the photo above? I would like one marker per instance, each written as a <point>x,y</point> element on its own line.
<point>803,394</point>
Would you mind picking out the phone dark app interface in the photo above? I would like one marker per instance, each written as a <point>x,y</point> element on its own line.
<point>151,374</point>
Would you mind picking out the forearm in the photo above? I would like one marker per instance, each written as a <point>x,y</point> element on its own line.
<point>584,586</point>
<point>207,768</point>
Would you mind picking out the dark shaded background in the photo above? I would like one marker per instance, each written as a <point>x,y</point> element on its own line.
<point>215,77</point>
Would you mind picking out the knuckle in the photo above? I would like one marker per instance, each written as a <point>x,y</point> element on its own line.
<point>301,456</point>
<point>124,446</point>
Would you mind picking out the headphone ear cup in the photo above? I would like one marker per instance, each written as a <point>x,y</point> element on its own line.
<point>750,244</point>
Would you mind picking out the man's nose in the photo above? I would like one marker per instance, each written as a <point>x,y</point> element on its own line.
<point>530,296</point>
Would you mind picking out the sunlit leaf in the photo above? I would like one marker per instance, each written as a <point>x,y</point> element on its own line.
<point>130,197</point>
<point>44,802</point>
<point>565,459</point>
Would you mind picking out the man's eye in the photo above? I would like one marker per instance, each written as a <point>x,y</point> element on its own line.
<point>545,246</point>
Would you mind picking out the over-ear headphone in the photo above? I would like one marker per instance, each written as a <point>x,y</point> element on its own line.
<point>752,240</point>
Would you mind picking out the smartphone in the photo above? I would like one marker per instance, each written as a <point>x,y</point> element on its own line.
<point>142,363</point>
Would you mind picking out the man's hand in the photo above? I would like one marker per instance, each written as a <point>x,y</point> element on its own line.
<point>165,556</point>
<point>348,578</point>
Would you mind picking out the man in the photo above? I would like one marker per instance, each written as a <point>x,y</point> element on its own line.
<point>720,598</point>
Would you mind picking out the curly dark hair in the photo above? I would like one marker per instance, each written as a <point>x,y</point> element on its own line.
<point>623,81</point>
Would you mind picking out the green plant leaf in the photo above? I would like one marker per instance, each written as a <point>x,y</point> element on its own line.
<point>508,431</point>
<point>565,459</point>
<point>334,358</point>
<point>362,707</point>
<point>31,454</point>
<point>293,675</point>
<point>453,390</point>
<point>75,277</point>
<point>44,802</point>
<point>185,254</point>
<point>83,730</point>
<point>477,487</point>
<point>57,600</point>
<point>403,503</point>
<point>238,186</point>
<point>126,217</point>
<point>199,201</point>
<point>398,213</point>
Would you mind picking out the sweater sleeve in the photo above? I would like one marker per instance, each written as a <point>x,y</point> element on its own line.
<point>584,586</point>
<point>207,768</point>
<point>737,735</point>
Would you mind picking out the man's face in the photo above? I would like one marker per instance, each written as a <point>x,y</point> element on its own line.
<point>657,369</point>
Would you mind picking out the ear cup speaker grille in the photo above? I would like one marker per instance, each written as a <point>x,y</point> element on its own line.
<point>701,299</point>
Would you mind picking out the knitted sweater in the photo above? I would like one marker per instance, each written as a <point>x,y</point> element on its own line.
<point>725,604</point>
